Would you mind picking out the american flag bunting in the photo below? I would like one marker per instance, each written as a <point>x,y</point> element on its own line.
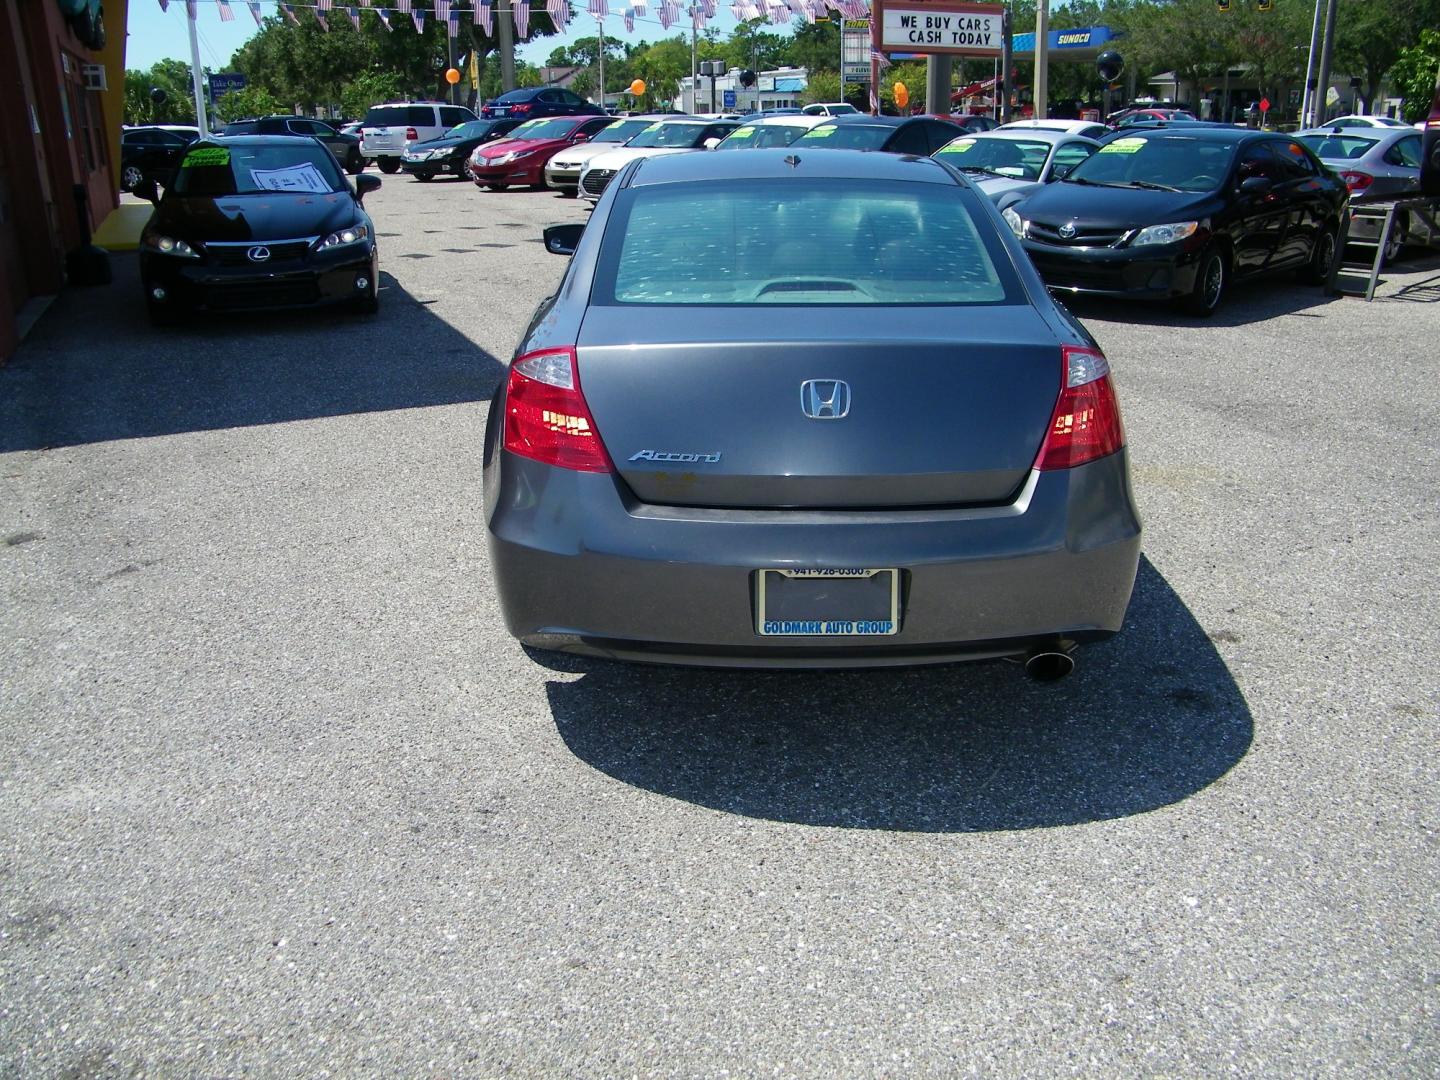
<point>226,14</point>
<point>419,16</point>
<point>354,14</point>
<point>521,10</point>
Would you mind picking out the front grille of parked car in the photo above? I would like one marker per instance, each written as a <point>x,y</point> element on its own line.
<point>596,181</point>
<point>1050,234</point>
<point>238,254</point>
<point>245,297</point>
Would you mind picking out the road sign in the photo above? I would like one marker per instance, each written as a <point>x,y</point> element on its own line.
<point>1264,104</point>
<point>940,26</point>
<point>729,96</point>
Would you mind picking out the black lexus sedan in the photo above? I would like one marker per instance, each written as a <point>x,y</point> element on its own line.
<point>1179,212</point>
<point>258,221</point>
<point>451,152</point>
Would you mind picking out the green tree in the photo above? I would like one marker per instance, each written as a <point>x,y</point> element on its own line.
<point>1370,36</point>
<point>171,76</point>
<point>366,89</point>
<point>1413,75</point>
<point>823,86</point>
<point>251,101</point>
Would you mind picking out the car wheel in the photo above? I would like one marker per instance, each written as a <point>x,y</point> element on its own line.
<point>424,175</point>
<point>162,314</point>
<point>389,164</point>
<point>130,177</point>
<point>354,163</point>
<point>1210,276</point>
<point>1399,228</point>
<point>568,193</point>
<point>1322,258</point>
<point>496,186</point>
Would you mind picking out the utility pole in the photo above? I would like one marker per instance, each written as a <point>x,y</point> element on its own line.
<point>1307,100</point>
<point>937,83</point>
<point>1322,77</point>
<point>600,31</point>
<point>1007,62</point>
<point>694,63</point>
<point>505,33</point>
<point>196,78</point>
<point>1042,59</point>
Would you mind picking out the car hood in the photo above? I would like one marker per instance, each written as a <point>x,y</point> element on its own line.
<point>619,158</point>
<point>254,217</point>
<point>996,186</point>
<point>509,146</point>
<point>1116,208</point>
<point>579,155</point>
<point>445,143</point>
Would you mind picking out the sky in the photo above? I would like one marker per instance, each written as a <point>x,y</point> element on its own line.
<point>155,35</point>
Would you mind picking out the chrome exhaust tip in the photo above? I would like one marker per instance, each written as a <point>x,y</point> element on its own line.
<point>1049,666</point>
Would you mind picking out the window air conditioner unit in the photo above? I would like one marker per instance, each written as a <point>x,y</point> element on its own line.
<point>94,76</point>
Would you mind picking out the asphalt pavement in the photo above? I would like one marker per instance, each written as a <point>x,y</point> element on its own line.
<point>280,797</point>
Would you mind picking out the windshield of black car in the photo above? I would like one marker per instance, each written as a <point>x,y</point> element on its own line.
<point>848,136</point>
<point>1182,162</point>
<point>1019,158</point>
<point>817,242</point>
<point>663,134</point>
<point>471,129</point>
<point>302,168</point>
<point>1345,146</point>
<point>561,128</point>
<point>623,131</point>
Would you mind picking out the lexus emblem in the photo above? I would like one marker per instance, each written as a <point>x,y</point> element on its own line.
<point>1066,231</point>
<point>825,399</point>
<point>258,254</point>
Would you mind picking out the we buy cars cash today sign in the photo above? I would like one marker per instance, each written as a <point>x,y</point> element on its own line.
<point>940,26</point>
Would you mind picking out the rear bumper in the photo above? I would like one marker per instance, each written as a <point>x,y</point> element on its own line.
<point>322,279</point>
<point>586,569</point>
<point>1154,273</point>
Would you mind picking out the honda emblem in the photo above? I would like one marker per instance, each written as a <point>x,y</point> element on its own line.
<point>825,399</point>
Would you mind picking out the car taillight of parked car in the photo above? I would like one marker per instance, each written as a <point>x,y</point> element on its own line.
<point>411,135</point>
<point>1356,181</point>
<point>546,417</point>
<point>1085,424</point>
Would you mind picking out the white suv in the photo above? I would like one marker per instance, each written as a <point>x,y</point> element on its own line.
<point>387,128</point>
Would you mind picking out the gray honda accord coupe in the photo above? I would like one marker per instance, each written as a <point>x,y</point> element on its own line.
<point>806,408</point>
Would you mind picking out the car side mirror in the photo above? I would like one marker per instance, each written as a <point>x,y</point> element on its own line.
<point>1255,185</point>
<point>146,190</point>
<point>1059,172</point>
<point>364,184</point>
<point>580,138</point>
<point>711,143</point>
<point>563,239</point>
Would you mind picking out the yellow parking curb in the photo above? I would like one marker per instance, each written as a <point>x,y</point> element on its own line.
<point>120,231</point>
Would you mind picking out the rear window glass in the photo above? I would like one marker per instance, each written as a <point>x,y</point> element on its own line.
<point>242,127</point>
<point>848,136</point>
<point>399,116</point>
<point>1338,147</point>
<point>516,95</point>
<point>801,243</point>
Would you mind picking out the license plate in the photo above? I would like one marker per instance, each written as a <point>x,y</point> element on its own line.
<point>827,603</point>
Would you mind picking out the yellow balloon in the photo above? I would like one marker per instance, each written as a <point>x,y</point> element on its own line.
<point>902,95</point>
<point>638,87</point>
<point>452,76</point>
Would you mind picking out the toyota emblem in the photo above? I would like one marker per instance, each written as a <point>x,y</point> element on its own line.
<point>1066,231</point>
<point>258,254</point>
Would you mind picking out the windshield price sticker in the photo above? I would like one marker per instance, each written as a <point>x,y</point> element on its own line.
<point>742,133</point>
<point>1122,146</point>
<point>961,147</point>
<point>206,156</point>
<point>820,133</point>
<point>652,127</point>
<point>305,178</point>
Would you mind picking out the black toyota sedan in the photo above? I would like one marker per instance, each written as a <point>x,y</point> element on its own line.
<point>451,151</point>
<point>258,221</point>
<point>1180,212</point>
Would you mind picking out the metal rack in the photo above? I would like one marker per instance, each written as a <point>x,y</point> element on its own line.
<point>1425,210</point>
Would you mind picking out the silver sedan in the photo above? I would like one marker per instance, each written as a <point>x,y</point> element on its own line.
<point>1375,163</point>
<point>1008,164</point>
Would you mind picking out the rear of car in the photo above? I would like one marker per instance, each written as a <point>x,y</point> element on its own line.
<point>806,410</point>
<point>538,101</point>
<point>388,129</point>
<point>1376,163</point>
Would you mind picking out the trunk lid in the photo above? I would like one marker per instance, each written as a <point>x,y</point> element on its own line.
<point>947,406</point>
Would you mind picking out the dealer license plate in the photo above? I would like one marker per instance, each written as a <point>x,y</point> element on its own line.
<point>827,603</point>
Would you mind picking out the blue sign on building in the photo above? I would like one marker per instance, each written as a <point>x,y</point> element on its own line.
<point>729,98</point>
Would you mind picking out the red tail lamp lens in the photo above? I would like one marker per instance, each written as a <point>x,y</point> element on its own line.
<point>546,418</point>
<point>1086,422</point>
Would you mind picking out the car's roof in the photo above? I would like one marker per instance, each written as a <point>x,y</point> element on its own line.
<point>812,120</point>
<point>1374,134</point>
<point>1049,135</point>
<point>785,162</point>
<point>291,141</point>
<point>866,120</point>
<point>1222,133</point>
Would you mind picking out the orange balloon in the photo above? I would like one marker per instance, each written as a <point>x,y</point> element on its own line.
<point>902,95</point>
<point>452,76</point>
<point>638,87</point>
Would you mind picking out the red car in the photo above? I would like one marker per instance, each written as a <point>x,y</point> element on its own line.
<point>1136,116</point>
<point>521,158</point>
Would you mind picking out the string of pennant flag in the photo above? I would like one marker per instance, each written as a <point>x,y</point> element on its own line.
<point>669,12</point>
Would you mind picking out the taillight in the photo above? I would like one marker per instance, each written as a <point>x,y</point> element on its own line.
<point>1086,422</point>
<point>519,108</point>
<point>411,134</point>
<point>1356,181</point>
<point>546,418</point>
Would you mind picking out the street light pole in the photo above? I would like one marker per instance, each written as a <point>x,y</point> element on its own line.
<point>1307,99</point>
<point>1042,59</point>
<point>505,34</point>
<point>1322,76</point>
<point>196,78</point>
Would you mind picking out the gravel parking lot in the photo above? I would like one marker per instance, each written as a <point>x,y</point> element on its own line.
<point>281,797</point>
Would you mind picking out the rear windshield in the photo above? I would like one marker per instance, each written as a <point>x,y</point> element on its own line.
<point>516,95</point>
<point>622,131</point>
<point>303,168</point>
<point>806,243</point>
<point>242,127</point>
<point>1180,162</point>
<point>848,136</point>
<point>662,134</point>
<point>399,116</point>
<point>1022,159</point>
<point>1338,146</point>
<point>759,136</point>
